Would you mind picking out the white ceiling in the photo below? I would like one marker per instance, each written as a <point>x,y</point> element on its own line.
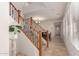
<point>44,10</point>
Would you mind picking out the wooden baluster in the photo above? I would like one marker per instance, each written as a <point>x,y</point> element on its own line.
<point>30,25</point>
<point>18,16</point>
<point>30,21</point>
<point>40,43</point>
<point>10,9</point>
<point>37,39</point>
<point>47,38</point>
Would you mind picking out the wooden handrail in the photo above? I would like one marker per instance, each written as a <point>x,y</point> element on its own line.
<point>13,6</point>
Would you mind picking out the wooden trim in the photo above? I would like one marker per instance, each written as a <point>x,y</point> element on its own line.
<point>47,39</point>
<point>40,43</point>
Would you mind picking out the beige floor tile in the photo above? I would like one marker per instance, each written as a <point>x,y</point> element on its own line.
<point>56,48</point>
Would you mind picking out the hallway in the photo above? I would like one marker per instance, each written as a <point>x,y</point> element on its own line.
<point>56,48</point>
<point>45,24</point>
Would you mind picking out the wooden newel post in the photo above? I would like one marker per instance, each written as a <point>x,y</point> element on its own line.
<point>47,39</point>
<point>40,43</point>
<point>19,16</point>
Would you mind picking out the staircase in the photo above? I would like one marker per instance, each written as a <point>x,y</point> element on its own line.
<point>30,29</point>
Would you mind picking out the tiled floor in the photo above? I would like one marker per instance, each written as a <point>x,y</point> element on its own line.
<point>56,48</point>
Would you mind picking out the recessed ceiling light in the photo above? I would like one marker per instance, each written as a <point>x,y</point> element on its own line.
<point>26,3</point>
<point>38,18</point>
<point>37,22</point>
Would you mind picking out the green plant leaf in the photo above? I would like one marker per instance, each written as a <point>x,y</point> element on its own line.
<point>11,29</point>
<point>19,27</point>
<point>14,28</point>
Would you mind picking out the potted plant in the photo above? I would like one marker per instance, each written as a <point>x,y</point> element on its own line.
<point>13,30</point>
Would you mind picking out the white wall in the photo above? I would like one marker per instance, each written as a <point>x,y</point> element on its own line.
<point>4,22</point>
<point>69,35</point>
